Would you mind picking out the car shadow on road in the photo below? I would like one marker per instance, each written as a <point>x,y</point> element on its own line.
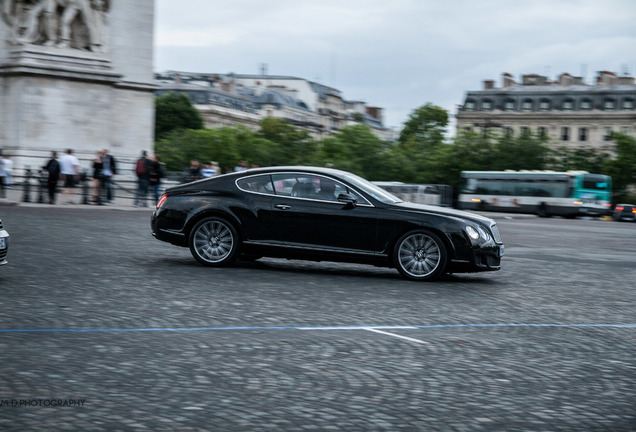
<point>326,268</point>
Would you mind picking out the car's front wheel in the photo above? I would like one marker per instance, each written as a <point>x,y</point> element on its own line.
<point>214,242</point>
<point>420,255</point>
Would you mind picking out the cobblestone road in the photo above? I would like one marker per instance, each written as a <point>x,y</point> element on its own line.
<point>135,335</point>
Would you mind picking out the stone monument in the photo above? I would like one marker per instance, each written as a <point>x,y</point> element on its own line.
<point>76,74</point>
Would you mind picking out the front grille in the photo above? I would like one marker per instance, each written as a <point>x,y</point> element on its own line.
<point>3,254</point>
<point>1,226</point>
<point>495,233</point>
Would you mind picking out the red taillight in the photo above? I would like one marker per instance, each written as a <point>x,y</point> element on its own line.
<point>163,198</point>
<point>619,208</point>
<point>634,210</point>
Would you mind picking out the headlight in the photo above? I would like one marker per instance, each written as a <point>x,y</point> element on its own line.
<point>472,232</point>
<point>476,233</point>
<point>484,234</point>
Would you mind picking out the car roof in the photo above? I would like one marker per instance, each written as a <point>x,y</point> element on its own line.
<point>295,168</point>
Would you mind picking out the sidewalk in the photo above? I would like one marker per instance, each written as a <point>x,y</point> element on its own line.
<point>16,197</point>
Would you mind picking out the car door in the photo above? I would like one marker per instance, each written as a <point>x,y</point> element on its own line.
<point>258,224</point>
<point>308,215</point>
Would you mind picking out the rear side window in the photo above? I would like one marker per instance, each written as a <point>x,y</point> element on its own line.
<point>259,184</point>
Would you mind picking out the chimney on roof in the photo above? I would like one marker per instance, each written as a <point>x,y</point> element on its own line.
<point>606,79</point>
<point>508,80</point>
<point>566,80</point>
<point>534,79</point>
<point>489,84</point>
<point>375,112</point>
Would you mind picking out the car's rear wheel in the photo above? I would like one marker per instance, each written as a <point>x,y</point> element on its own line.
<point>420,255</point>
<point>214,242</point>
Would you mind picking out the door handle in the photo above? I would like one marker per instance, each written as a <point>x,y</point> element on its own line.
<point>283,206</point>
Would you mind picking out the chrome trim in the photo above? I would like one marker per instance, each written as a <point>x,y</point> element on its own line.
<point>172,232</point>
<point>367,204</point>
<point>313,248</point>
<point>495,233</point>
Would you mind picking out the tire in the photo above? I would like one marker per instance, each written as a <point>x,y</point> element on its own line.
<point>214,242</point>
<point>542,211</point>
<point>420,255</point>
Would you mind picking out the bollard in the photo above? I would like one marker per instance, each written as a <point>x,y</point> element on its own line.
<point>85,187</point>
<point>26,196</point>
<point>42,179</point>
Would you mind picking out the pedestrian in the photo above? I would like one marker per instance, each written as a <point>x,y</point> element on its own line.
<point>3,174</point>
<point>195,171</point>
<point>8,170</point>
<point>207,171</point>
<point>69,169</point>
<point>242,166</point>
<point>108,173</point>
<point>53,169</point>
<point>98,168</point>
<point>142,170</point>
<point>156,174</point>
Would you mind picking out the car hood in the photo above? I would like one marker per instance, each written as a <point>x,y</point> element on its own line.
<point>445,211</point>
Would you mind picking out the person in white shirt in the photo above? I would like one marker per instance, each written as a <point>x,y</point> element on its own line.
<point>69,169</point>
<point>2,178</point>
<point>8,171</point>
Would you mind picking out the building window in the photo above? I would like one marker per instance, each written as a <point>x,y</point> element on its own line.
<point>542,132</point>
<point>608,104</point>
<point>470,105</point>
<point>508,132</point>
<point>486,105</point>
<point>628,104</point>
<point>586,104</point>
<point>583,134</point>
<point>607,136</point>
<point>625,130</point>
<point>525,130</point>
<point>544,105</point>
<point>510,105</point>
<point>568,105</point>
<point>565,133</point>
<point>527,105</point>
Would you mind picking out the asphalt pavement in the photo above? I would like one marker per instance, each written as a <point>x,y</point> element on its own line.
<point>103,327</point>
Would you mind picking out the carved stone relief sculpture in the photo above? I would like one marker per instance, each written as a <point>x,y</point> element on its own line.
<point>73,24</point>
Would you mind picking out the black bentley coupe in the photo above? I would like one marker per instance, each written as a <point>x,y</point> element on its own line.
<point>322,214</point>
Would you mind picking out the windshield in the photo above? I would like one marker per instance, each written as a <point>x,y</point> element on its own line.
<point>375,191</point>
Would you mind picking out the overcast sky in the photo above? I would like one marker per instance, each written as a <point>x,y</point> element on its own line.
<point>398,54</point>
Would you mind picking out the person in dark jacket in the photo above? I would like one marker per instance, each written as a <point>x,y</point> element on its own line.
<point>156,174</point>
<point>53,169</point>
<point>142,170</point>
<point>108,173</point>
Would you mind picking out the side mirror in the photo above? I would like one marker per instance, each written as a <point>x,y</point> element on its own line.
<point>347,199</point>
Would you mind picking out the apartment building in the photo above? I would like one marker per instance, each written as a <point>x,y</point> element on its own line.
<point>568,111</point>
<point>233,99</point>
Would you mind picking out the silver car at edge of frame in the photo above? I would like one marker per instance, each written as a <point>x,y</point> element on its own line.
<point>4,244</point>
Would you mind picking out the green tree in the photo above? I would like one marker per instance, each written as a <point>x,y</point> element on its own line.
<point>294,146</point>
<point>175,111</point>
<point>422,135</point>
<point>622,169</point>
<point>520,152</point>
<point>425,126</point>
<point>353,148</point>
<point>205,145</point>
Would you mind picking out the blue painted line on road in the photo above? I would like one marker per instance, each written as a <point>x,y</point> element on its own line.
<point>366,327</point>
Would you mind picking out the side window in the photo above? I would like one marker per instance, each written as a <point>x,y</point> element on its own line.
<point>293,185</point>
<point>311,186</point>
<point>259,184</point>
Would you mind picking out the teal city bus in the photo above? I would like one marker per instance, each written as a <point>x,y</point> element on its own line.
<point>546,193</point>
